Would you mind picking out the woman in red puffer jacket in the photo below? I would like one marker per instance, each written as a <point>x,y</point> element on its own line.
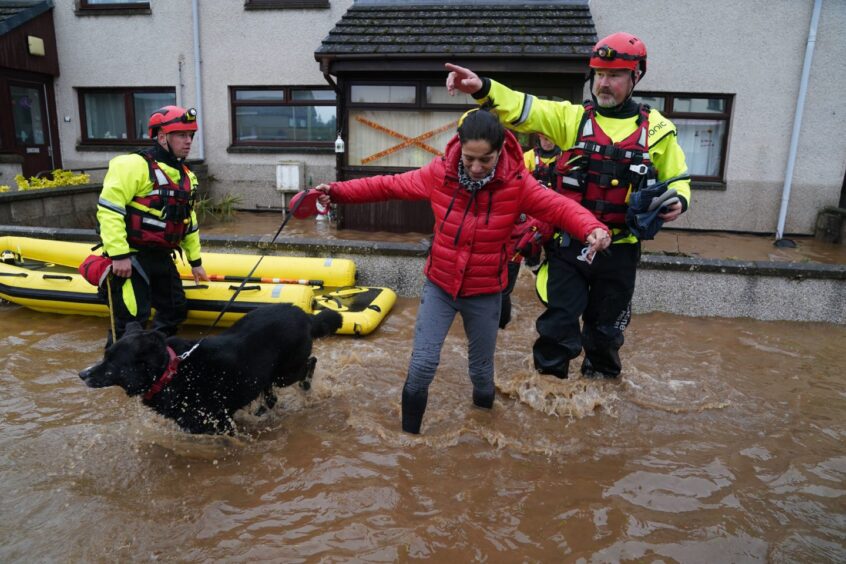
<point>477,190</point>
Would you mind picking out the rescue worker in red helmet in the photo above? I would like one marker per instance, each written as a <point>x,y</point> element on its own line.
<point>145,216</point>
<point>615,146</point>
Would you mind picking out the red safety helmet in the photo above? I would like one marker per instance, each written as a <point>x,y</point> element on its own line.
<point>619,51</point>
<point>172,118</point>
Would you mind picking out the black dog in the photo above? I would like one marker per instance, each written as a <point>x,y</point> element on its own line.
<point>200,384</point>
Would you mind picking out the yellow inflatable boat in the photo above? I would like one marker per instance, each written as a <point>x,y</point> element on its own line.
<point>330,272</point>
<point>30,276</point>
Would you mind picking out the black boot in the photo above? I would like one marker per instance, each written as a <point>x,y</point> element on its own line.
<point>589,371</point>
<point>483,400</point>
<point>413,407</point>
<point>560,373</point>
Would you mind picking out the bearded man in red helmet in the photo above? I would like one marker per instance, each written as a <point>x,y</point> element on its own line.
<point>145,215</point>
<point>617,149</point>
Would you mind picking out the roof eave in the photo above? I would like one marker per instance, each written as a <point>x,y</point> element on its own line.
<point>337,64</point>
<point>24,16</point>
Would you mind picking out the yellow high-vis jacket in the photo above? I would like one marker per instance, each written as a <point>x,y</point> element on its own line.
<point>560,121</point>
<point>128,178</point>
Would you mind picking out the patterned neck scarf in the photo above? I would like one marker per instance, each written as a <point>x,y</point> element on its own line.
<point>468,183</point>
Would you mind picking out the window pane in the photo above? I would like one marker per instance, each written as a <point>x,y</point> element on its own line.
<point>26,114</point>
<point>700,105</point>
<point>145,103</point>
<point>275,95</point>
<point>105,115</point>
<point>393,138</point>
<point>702,141</point>
<point>439,95</point>
<point>327,95</point>
<point>382,94</point>
<point>656,102</point>
<point>285,123</point>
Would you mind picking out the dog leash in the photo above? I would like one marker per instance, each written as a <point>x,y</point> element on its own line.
<point>111,309</point>
<point>250,275</point>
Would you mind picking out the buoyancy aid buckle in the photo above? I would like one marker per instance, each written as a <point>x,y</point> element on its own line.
<point>640,169</point>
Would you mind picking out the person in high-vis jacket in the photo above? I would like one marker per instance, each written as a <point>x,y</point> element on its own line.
<point>616,146</point>
<point>529,234</point>
<point>145,215</point>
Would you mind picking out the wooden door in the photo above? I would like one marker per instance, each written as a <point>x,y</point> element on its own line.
<point>32,137</point>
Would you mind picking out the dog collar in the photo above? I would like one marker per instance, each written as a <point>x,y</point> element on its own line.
<point>167,376</point>
<point>170,370</point>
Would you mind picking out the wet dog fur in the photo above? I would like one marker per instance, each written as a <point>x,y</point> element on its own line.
<point>270,346</point>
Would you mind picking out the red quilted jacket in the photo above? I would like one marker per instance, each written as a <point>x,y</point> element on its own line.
<point>472,231</point>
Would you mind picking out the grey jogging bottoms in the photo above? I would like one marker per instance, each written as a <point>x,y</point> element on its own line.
<point>434,318</point>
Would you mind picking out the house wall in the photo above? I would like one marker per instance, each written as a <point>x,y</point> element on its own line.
<point>238,47</point>
<point>755,50</point>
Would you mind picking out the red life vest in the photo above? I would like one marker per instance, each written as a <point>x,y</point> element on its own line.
<point>162,217</point>
<point>599,173</point>
<point>544,172</point>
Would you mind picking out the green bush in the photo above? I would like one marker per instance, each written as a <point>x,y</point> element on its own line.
<point>60,178</point>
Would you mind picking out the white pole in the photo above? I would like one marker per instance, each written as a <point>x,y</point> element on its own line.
<point>198,81</point>
<point>797,119</point>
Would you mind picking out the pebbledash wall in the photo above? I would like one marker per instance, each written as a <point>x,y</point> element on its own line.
<point>67,206</point>
<point>238,47</point>
<point>753,50</point>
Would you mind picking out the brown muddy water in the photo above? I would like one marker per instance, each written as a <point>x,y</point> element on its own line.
<point>723,442</point>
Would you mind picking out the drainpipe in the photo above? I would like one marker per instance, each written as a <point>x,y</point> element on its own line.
<point>198,81</point>
<point>797,124</point>
<point>341,115</point>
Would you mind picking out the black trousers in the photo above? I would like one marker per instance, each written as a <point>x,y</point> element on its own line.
<point>600,294</point>
<point>155,285</point>
<point>505,311</point>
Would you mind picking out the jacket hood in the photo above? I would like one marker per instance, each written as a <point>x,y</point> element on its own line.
<point>510,161</point>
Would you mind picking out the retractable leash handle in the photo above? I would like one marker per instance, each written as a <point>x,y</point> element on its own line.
<point>306,204</point>
<point>295,205</point>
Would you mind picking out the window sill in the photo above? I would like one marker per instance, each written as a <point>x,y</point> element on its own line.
<point>85,12</point>
<point>708,185</point>
<point>111,148</point>
<point>285,4</point>
<point>272,150</point>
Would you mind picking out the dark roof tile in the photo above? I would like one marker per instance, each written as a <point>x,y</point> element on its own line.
<point>557,28</point>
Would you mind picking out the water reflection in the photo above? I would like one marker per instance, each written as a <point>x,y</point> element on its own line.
<point>723,442</point>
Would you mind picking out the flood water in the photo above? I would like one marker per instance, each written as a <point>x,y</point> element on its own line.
<point>706,245</point>
<point>723,442</point>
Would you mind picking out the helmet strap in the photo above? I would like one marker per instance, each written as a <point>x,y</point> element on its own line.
<point>165,154</point>
<point>167,148</point>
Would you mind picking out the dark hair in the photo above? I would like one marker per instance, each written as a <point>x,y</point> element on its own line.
<point>481,124</point>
